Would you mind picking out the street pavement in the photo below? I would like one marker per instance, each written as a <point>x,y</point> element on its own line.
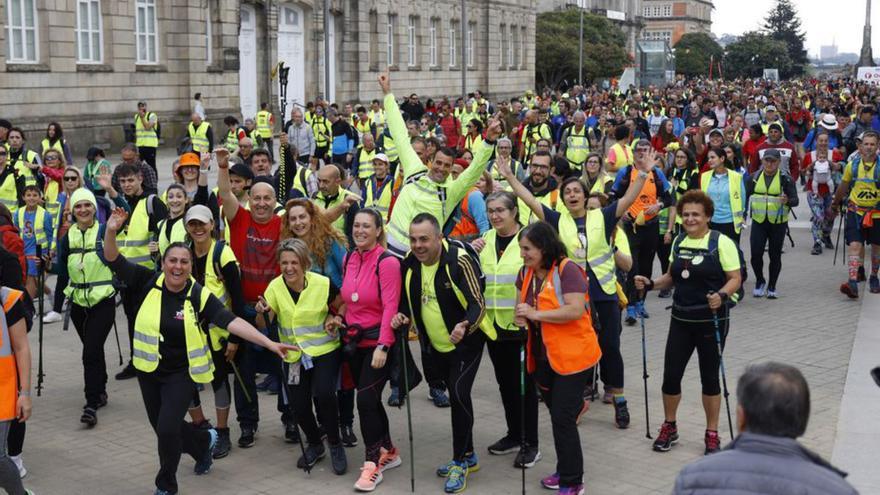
<point>811,326</point>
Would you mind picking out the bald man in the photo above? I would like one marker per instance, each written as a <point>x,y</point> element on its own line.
<point>341,204</point>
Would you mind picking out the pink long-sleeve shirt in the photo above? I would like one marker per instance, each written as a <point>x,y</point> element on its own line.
<point>371,308</point>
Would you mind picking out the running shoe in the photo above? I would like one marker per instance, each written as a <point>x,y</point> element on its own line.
<point>713,442</point>
<point>291,432</point>
<point>772,294</point>
<point>438,397</point>
<point>862,274</point>
<point>247,438</point>
<point>828,243</point>
<point>370,477</point>
<point>338,459</point>
<point>506,445</point>
<point>89,416</point>
<point>473,465</point>
<point>851,289</point>
<point>760,289</point>
<point>19,464</point>
<point>224,445</point>
<point>162,492</point>
<point>665,293</point>
<point>204,464</point>
<point>631,315</point>
<point>527,457</point>
<point>126,373</point>
<point>52,317</point>
<point>551,482</point>
<point>874,284</point>
<point>314,453</point>
<point>584,409</point>
<point>456,479</point>
<point>389,458</point>
<point>346,434</point>
<point>621,413</point>
<point>572,490</point>
<point>394,400</point>
<point>817,249</point>
<point>667,437</point>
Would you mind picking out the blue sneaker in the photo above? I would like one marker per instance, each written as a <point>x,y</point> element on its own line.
<point>204,464</point>
<point>456,480</point>
<point>631,315</point>
<point>641,309</point>
<point>473,465</point>
<point>439,397</point>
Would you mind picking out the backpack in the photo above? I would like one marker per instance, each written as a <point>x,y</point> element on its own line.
<point>475,260</point>
<point>215,258</point>
<point>13,243</point>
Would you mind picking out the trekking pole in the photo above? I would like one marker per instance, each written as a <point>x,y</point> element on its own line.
<point>66,325</point>
<point>645,374</point>
<point>302,438</point>
<point>522,406</point>
<point>412,464</point>
<point>240,381</point>
<point>40,282</point>
<point>723,372</point>
<point>837,244</point>
<point>118,347</point>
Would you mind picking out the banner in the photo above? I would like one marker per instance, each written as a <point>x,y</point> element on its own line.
<point>870,75</point>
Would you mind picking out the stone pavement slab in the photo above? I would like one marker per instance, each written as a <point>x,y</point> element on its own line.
<point>811,326</point>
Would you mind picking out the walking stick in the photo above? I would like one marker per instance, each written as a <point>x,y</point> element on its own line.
<point>723,372</point>
<point>412,464</point>
<point>40,281</point>
<point>118,347</point>
<point>645,374</point>
<point>839,228</point>
<point>522,406</point>
<point>66,325</point>
<point>302,438</point>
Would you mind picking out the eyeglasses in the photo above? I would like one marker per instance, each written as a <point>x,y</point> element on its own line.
<point>3,153</point>
<point>71,178</point>
<point>52,158</point>
<point>496,211</point>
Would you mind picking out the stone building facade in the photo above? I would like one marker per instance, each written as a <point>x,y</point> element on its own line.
<point>669,20</point>
<point>85,63</point>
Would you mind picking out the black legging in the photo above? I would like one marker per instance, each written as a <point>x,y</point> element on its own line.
<point>317,384</point>
<point>762,233</point>
<point>643,242</point>
<point>166,398</point>
<point>611,363</point>
<point>459,369</point>
<point>93,326</point>
<point>683,338</point>
<point>371,413</point>
<point>563,395</point>
<point>131,304</point>
<point>220,383</point>
<point>505,361</point>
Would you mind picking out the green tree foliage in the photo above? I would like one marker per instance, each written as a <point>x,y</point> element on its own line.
<point>692,54</point>
<point>783,24</point>
<point>556,48</point>
<point>754,52</point>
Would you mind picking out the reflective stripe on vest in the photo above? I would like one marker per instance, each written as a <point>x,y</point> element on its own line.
<point>215,284</point>
<point>143,136</point>
<point>501,276</point>
<point>365,162</point>
<point>134,242</point>
<point>26,156</point>
<point>264,126</point>
<point>58,146</point>
<point>598,255</point>
<point>9,193</point>
<point>178,234</point>
<point>199,137</point>
<point>383,202</point>
<point>91,281</point>
<point>577,147</point>
<point>301,323</point>
<point>39,227</point>
<point>767,203</point>
<point>147,334</point>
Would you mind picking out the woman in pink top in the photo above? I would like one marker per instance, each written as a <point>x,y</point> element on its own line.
<point>371,289</point>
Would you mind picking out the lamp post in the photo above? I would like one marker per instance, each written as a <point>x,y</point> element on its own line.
<point>581,44</point>
<point>463,51</point>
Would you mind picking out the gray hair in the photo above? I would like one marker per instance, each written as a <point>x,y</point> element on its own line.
<point>299,248</point>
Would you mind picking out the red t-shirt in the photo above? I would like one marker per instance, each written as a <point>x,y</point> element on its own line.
<point>254,244</point>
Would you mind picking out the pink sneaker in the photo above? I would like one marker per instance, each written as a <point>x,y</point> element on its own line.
<point>389,459</point>
<point>371,476</point>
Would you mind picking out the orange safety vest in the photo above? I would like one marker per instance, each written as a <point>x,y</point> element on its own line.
<point>466,225</point>
<point>571,347</point>
<point>646,198</point>
<point>8,368</point>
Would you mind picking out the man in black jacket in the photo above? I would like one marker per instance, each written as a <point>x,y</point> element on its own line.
<point>441,295</point>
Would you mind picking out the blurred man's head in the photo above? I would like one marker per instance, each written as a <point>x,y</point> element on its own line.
<point>774,399</point>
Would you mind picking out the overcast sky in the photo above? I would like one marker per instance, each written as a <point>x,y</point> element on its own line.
<point>823,21</point>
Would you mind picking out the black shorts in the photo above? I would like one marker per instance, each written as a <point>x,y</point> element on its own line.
<point>856,232</point>
<point>321,151</point>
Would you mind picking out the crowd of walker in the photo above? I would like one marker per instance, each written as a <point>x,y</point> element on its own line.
<point>527,227</point>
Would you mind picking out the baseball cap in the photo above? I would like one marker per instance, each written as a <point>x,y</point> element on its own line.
<point>200,213</point>
<point>771,154</point>
<point>381,157</point>
<point>716,131</point>
<point>770,108</point>
<point>776,126</point>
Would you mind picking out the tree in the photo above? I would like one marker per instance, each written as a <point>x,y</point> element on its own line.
<point>783,24</point>
<point>754,52</point>
<point>693,52</point>
<point>556,48</point>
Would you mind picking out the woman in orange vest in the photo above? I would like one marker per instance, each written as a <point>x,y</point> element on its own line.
<point>562,345</point>
<point>15,381</point>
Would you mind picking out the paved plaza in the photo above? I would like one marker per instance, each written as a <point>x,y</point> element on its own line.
<point>811,326</point>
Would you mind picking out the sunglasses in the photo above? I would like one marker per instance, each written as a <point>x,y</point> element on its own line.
<point>71,178</point>
<point>52,158</point>
<point>3,153</point>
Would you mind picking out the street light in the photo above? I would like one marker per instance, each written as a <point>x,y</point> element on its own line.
<point>581,6</point>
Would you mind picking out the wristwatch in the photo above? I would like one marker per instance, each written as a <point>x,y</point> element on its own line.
<point>382,347</point>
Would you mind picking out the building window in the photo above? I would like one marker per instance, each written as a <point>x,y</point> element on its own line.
<point>389,42</point>
<point>470,44</point>
<point>374,40</point>
<point>453,35</point>
<point>145,32</point>
<point>510,39</point>
<point>88,31</point>
<point>667,10</point>
<point>22,31</point>
<point>522,47</point>
<point>411,44</point>
<point>663,10</point>
<point>657,35</point>
<point>209,34</point>
<point>433,41</point>
<point>514,35</point>
<point>503,45</point>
